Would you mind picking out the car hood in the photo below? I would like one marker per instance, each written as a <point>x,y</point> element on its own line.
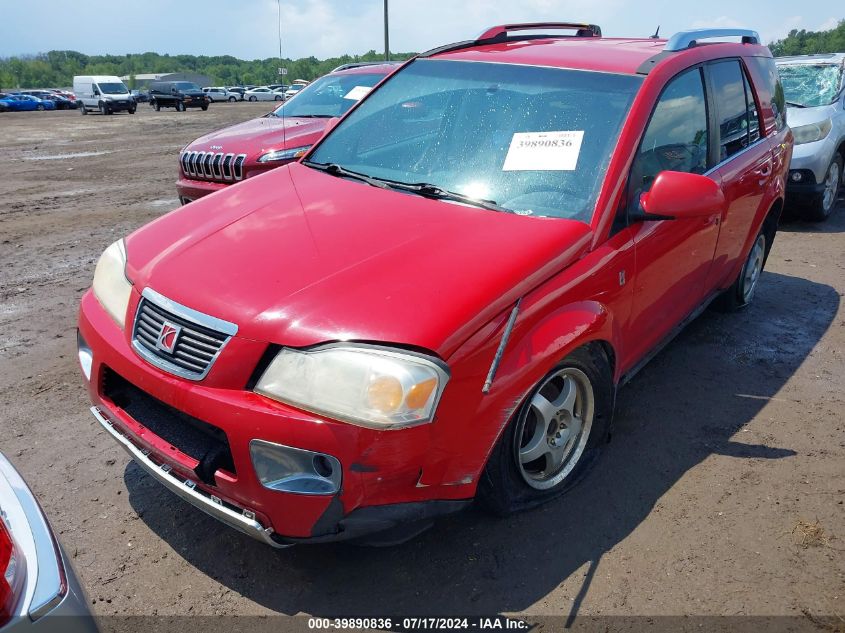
<point>259,135</point>
<point>804,116</point>
<point>298,257</point>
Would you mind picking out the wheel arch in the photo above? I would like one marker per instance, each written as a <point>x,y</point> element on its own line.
<point>536,346</point>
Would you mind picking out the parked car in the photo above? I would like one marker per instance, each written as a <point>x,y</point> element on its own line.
<point>24,103</point>
<point>39,590</point>
<point>177,94</point>
<point>282,87</point>
<point>238,90</point>
<point>140,96</point>
<point>293,90</point>
<point>104,93</point>
<point>263,94</point>
<point>814,87</point>
<point>60,102</point>
<point>218,93</point>
<point>219,159</point>
<point>440,300</point>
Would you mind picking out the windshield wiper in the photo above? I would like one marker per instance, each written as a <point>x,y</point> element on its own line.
<point>337,170</point>
<point>433,191</point>
<point>794,104</point>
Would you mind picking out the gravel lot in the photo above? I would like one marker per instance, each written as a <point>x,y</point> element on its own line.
<point>721,492</point>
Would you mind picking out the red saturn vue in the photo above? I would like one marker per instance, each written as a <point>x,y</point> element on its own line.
<point>438,302</point>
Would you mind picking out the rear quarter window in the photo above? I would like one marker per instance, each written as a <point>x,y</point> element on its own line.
<point>764,75</point>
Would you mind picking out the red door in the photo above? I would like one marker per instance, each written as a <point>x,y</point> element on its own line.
<point>673,257</point>
<point>746,166</point>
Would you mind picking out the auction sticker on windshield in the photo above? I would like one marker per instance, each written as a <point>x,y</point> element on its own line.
<point>544,151</point>
<point>357,93</point>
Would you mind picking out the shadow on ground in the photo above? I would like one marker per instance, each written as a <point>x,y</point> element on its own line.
<point>686,405</point>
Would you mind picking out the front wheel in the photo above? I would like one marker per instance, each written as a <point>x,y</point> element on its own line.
<point>131,110</point>
<point>278,98</point>
<point>204,108</point>
<point>82,109</point>
<point>157,106</point>
<point>253,98</point>
<point>822,205</point>
<point>180,107</point>
<point>232,99</point>
<point>39,107</point>
<point>554,437</point>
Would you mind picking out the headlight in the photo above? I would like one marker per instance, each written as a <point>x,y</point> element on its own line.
<point>111,287</point>
<point>812,132</point>
<point>284,154</point>
<point>369,386</point>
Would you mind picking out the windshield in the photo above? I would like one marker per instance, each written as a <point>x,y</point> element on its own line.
<point>532,140</point>
<point>329,96</point>
<point>810,84</point>
<point>113,89</point>
<point>186,85</point>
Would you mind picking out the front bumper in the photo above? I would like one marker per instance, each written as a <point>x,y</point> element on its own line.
<point>190,190</point>
<point>121,106</point>
<point>811,160</point>
<point>380,470</point>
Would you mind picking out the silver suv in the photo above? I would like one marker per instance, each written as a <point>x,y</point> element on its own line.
<point>814,88</point>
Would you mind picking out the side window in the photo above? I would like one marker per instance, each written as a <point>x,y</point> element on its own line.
<point>729,97</point>
<point>754,131</point>
<point>676,136</point>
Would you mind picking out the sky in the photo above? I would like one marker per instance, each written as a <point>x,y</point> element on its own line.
<point>248,29</point>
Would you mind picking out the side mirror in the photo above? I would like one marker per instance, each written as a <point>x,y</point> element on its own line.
<point>676,195</point>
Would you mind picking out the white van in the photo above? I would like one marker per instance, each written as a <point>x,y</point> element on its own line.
<point>105,93</point>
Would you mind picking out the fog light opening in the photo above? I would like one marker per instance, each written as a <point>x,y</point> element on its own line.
<point>322,466</point>
<point>86,356</point>
<point>797,176</point>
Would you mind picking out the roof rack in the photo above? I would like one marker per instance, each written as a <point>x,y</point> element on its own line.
<point>362,64</point>
<point>687,39</point>
<point>497,34</point>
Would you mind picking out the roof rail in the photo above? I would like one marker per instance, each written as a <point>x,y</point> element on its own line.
<point>496,34</point>
<point>362,64</point>
<point>500,32</point>
<point>687,39</point>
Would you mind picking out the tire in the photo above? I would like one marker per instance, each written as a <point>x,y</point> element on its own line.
<point>204,108</point>
<point>232,100</point>
<point>823,205</point>
<point>569,438</point>
<point>253,98</point>
<point>157,106</point>
<point>741,292</point>
<point>180,107</point>
<point>40,107</point>
<point>278,98</point>
<point>82,109</point>
<point>131,110</point>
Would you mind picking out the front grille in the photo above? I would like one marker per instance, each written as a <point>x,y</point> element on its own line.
<point>212,165</point>
<point>174,342</point>
<point>196,438</point>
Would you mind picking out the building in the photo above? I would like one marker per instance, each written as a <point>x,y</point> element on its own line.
<point>143,81</point>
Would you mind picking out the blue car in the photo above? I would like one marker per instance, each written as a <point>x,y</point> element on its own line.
<point>19,103</point>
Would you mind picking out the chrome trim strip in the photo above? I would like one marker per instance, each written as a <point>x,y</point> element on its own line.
<point>733,156</point>
<point>51,579</point>
<point>188,490</point>
<point>228,159</point>
<point>213,323</point>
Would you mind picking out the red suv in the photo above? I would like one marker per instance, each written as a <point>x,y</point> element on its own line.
<point>216,160</point>
<point>439,301</point>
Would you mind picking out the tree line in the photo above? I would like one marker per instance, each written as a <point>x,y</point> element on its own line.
<point>57,68</point>
<point>808,42</point>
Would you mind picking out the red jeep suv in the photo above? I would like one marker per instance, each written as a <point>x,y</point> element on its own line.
<point>216,160</point>
<point>439,301</point>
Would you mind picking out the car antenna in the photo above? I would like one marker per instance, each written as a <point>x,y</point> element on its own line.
<point>656,35</point>
<point>284,130</point>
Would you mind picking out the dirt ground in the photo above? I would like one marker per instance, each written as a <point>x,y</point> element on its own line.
<point>721,492</point>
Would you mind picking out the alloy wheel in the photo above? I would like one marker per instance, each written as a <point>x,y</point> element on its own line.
<point>831,187</point>
<point>554,428</point>
<point>753,268</point>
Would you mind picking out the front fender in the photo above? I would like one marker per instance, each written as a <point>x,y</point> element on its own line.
<point>539,340</point>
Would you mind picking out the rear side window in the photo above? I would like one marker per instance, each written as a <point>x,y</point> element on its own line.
<point>732,108</point>
<point>771,93</point>
<point>676,136</point>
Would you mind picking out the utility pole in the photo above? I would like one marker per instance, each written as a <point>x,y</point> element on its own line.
<point>386,35</point>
